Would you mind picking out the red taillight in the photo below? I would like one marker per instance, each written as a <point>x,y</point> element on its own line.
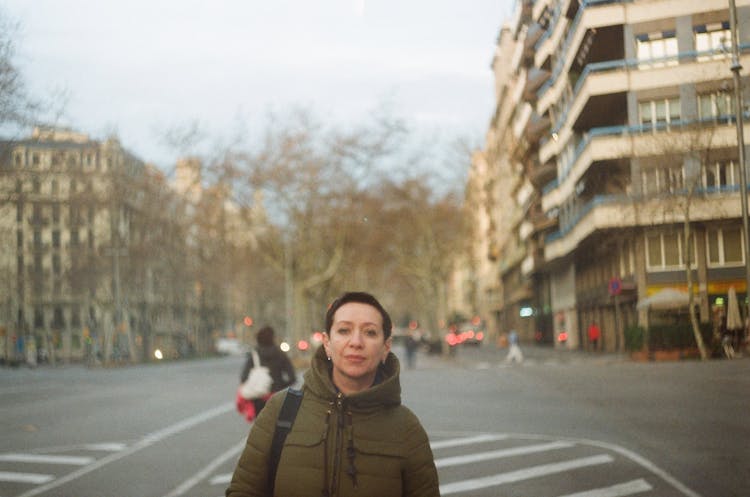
<point>303,345</point>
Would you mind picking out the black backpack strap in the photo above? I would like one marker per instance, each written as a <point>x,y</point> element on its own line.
<point>284,423</point>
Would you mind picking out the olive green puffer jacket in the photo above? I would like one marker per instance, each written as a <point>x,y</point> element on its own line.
<point>366,444</point>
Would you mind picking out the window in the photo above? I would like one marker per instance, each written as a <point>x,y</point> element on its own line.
<point>713,41</point>
<point>659,113</point>
<point>656,49</point>
<point>712,106</point>
<point>56,238</point>
<point>663,180</point>
<point>720,175</point>
<point>725,246</point>
<point>666,251</point>
<point>19,239</point>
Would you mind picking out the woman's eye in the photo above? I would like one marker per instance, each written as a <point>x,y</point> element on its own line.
<point>371,333</point>
<point>342,331</point>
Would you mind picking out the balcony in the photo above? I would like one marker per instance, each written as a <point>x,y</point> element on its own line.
<point>619,76</point>
<point>608,212</point>
<point>542,174</point>
<point>617,142</point>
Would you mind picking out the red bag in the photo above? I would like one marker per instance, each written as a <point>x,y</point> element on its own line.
<point>245,407</point>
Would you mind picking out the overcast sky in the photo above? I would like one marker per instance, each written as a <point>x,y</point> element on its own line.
<point>141,66</point>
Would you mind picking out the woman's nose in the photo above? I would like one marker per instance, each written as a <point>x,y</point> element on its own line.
<point>357,338</point>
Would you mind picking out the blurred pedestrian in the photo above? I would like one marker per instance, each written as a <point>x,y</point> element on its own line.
<point>412,345</point>
<point>514,349</point>
<point>278,364</point>
<point>595,334</point>
<point>351,435</point>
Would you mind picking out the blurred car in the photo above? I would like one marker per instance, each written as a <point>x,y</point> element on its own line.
<point>465,334</point>
<point>229,346</point>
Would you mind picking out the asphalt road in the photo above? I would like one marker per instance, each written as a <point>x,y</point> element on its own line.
<point>557,425</point>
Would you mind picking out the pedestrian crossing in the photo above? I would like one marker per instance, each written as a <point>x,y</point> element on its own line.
<point>492,464</point>
<point>20,472</point>
<point>472,465</point>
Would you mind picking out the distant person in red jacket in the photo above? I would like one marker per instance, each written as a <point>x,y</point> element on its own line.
<point>594,334</point>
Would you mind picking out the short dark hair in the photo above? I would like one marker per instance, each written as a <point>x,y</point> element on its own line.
<point>265,336</point>
<point>361,298</point>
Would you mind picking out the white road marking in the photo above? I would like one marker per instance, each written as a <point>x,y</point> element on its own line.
<point>221,479</point>
<point>146,441</point>
<point>457,442</point>
<point>500,453</point>
<point>45,459</point>
<point>621,490</point>
<point>523,474</point>
<point>107,447</point>
<point>35,478</point>
<point>202,474</point>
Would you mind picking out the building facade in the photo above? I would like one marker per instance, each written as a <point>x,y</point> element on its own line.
<point>617,121</point>
<point>102,259</point>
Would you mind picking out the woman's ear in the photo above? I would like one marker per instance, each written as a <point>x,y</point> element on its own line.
<point>388,344</point>
<point>327,344</point>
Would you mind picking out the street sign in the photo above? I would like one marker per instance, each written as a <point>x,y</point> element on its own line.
<point>615,286</point>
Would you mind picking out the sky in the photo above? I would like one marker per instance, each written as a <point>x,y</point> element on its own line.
<point>140,67</point>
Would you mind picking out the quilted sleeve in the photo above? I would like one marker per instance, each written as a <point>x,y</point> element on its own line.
<point>420,475</point>
<point>250,478</point>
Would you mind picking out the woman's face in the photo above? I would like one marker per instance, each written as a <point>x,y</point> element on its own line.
<point>356,345</point>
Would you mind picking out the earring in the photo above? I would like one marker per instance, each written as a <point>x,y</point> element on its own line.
<point>329,358</point>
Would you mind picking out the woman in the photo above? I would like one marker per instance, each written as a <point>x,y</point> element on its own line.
<point>277,362</point>
<point>352,436</point>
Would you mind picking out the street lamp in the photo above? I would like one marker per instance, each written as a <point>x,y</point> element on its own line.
<point>736,67</point>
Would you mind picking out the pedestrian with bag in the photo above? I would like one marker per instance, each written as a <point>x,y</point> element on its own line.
<point>350,435</point>
<point>267,370</point>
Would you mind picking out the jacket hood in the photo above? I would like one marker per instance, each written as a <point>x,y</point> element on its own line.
<point>386,393</point>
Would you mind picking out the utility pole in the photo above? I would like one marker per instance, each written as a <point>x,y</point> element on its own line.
<point>736,67</point>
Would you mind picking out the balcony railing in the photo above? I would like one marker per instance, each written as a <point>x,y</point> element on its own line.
<point>599,200</point>
<point>571,34</point>
<point>615,65</point>
<point>628,130</point>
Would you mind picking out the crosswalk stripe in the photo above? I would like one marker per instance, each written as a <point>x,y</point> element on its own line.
<point>221,479</point>
<point>620,490</point>
<point>522,474</point>
<point>500,453</point>
<point>46,459</point>
<point>457,442</point>
<point>35,478</point>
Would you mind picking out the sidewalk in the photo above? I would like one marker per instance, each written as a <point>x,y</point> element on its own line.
<point>489,356</point>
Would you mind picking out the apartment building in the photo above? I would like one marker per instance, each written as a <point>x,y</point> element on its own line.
<point>620,133</point>
<point>94,257</point>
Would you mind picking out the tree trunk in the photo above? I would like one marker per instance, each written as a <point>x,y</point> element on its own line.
<point>691,296</point>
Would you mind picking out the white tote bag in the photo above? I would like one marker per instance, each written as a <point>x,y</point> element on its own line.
<point>258,381</point>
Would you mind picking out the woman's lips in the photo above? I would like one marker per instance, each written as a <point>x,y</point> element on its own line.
<point>355,358</point>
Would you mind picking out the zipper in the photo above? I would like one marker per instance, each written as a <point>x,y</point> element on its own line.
<point>338,440</point>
